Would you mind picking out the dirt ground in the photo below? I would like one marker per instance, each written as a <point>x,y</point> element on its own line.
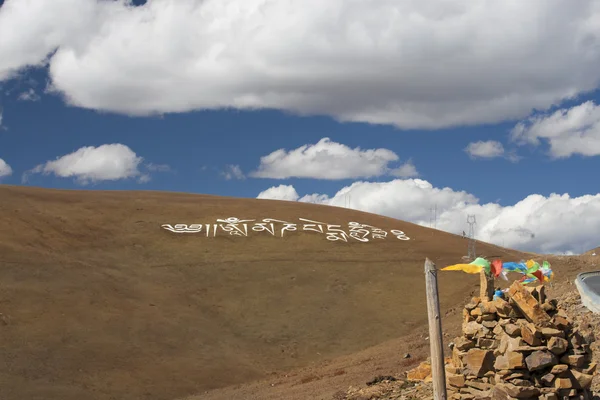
<point>334,379</point>
<point>97,301</point>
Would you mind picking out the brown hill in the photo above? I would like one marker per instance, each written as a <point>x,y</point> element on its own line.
<point>99,302</point>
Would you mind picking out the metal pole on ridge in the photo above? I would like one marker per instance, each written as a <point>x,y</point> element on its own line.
<point>436,342</point>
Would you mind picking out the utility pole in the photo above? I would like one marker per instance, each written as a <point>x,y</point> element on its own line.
<point>436,339</point>
<point>471,220</point>
<point>433,217</point>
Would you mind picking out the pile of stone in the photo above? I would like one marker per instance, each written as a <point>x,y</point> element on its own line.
<point>519,347</point>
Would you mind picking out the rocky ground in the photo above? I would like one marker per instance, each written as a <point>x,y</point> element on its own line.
<point>400,387</point>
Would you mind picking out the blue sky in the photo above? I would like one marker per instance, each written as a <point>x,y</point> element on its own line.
<point>39,131</point>
<point>417,109</point>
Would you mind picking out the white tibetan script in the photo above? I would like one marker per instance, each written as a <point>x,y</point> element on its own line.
<point>277,228</point>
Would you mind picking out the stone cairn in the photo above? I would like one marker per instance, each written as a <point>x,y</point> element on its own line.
<point>521,347</point>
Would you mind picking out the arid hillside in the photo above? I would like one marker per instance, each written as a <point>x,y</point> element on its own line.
<point>98,301</point>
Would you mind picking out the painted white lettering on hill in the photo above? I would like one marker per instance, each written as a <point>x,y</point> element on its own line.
<point>277,228</point>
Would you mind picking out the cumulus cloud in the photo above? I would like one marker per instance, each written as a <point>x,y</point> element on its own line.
<point>330,160</point>
<point>553,224</point>
<point>28,95</point>
<point>109,162</point>
<point>281,192</point>
<point>414,64</point>
<point>5,169</point>
<point>569,131</point>
<point>487,149</point>
<point>406,170</point>
<point>233,172</point>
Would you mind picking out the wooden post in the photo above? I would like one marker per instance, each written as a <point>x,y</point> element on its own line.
<point>438,373</point>
<point>486,286</point>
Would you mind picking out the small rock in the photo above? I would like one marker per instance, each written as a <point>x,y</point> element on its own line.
<point>540,360</point>
<point>557,345</point>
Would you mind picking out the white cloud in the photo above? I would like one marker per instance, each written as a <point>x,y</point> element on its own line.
<point>406,170</point>
<point>330,160</point>
<point>568,131</point>
<point>108,162</point>
<point>415,64</point>
<point>233,172</point>
<point>281,192</point>
<point>487,149</point>
<point>29,95</point>
<point>559,223</point>
<point>5,169</point>
<point>158,167</point>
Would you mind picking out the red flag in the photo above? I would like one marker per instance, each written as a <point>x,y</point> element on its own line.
<point>497,267</point>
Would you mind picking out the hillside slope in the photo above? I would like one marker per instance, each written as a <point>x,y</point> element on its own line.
<point>99,302</point>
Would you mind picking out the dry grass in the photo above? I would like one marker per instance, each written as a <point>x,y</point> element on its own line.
<point>102,303</point>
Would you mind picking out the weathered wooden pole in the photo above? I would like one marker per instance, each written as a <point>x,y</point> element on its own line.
<point>438,373</point>
<point>486,286</point>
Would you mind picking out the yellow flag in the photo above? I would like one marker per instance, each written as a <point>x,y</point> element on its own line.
<point>468,268</point>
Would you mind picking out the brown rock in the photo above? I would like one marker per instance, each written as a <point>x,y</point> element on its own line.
<point>515,313</point>
<point>540,360</point>
<point>479,385</point>
<point>471,329</point>
<point>508,343</point>
<point>557,345</point>
<point>467,316</point>
<point>561,322</point>
<point>451,369</point>
<point>559,369</point>
<point>478,361</point>
<point>590,369</point>
<point>455,380</point>
<point>547,379</point>
<point>483,332</point>
<point>489,324</point>
<point>574,360</point>
<point>476,312</point>
<point>551,332</point>
<point>484,343</point>
<point>528,305</point>
<point>498,330</point>
<point>505,391</point>
<point>457,358</point>
<point>513,330</point>
<point>584,381</point>
<point>548,307</point>
<point>487,307</point>
<point>531,335</point>
<point>488,317</point>
<point>502,306</point>
<point>529,349</point>
<point>473,303</point>
<point>517,375</point>
<point>576,340</point>
<point>563,383</point>
<point>538,293</point>
<point>463,344</point>
<point>510,360</point>
<point>421,373</point>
